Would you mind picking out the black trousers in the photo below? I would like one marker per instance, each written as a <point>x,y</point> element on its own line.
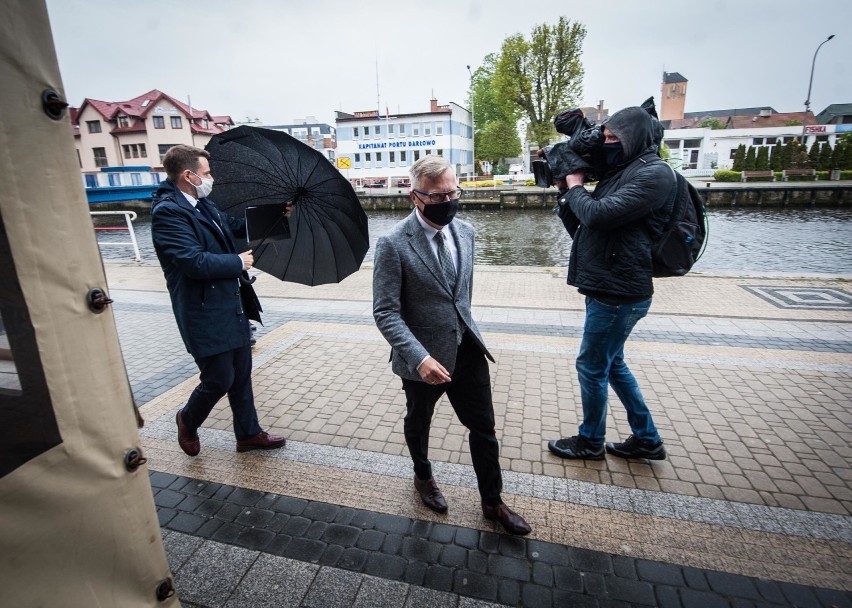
<point>469,393</point>
<point>225,373</point>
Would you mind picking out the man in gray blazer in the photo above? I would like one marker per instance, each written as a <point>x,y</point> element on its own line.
<point>422,286</point>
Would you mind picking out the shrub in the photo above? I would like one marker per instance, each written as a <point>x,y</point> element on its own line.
<point>726,175</point>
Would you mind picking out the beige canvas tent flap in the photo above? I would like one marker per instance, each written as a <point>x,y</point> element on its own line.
<point>78,526</point>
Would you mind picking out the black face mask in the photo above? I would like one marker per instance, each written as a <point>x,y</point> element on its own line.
<point>614,153</point>
<point>441,213</point>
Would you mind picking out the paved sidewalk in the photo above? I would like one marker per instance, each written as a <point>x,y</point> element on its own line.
<point>749,379</point>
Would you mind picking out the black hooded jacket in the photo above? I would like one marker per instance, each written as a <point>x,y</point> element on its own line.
<point>614,226</point>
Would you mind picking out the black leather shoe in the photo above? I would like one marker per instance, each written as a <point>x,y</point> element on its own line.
<point>430,494</point>
<point>187,441</point>
<point>261,441</point>
<point>576,447</point>
<point>633,447</point>
<point>511,521</point>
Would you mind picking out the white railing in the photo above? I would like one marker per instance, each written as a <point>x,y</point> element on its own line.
<point>129,216</point>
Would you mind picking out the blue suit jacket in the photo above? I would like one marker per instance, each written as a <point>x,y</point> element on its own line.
<point>202,269</point>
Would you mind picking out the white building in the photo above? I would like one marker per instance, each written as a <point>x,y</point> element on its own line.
<point>701,150</point>
<point>318,135</point>
<point>376,150</point>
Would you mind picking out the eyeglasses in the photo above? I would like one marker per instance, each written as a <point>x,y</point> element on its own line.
<point>438,197</point>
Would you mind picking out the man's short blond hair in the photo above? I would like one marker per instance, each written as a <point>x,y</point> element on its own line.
<point>181,157</point>
<point>428,167</point>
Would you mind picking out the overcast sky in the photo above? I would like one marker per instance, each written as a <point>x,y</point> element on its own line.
<point>279,60</point>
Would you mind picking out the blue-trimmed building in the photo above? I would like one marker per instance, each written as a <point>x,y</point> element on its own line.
<point>376,149</point>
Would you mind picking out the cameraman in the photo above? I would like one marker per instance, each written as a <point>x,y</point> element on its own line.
<point>612,230</point>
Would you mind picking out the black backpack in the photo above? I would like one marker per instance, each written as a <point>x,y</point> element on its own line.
<point>684,236</point>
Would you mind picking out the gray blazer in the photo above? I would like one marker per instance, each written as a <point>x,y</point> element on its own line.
<point>412,302</point>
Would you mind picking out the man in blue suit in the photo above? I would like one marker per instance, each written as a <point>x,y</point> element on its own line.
<point>422,287</point>
<point>199,256</point>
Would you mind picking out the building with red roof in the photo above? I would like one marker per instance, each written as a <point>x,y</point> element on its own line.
<point>137,133</point>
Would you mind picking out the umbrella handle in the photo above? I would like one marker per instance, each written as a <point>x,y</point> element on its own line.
<point>245,279</point>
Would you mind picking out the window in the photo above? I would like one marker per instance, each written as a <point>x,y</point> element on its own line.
<point>416,155</point>
<point>163,148</point>
<point>204,123</point>
<point>822,138</point>
<point>378,130</point>
<point>357,157</point>
<point>673,144</point>
<point>392,157</point>
<point>367,157</point>
<point>427,128</point>
<point>439,129</point>
<point>159,122</point>
<point>691,143</point>
<point>391,129</point>
<point>114,179</point>
<point>176,122</point>
<point>415,129</point>
<point>123,122</point>
<point>355,132</point>
<point>94,126</point>
<point>770,141</point>
<point>757,141</point>
<point>134,151</point>
<point>402,156</point>
<point>100,157</point>
<point>366,131</point>
<point>733,153</point>
<point>136,179</point>
<point>440,152</point>
<point>378,157</point>
<point>402,129</point>
<point>91,181</point>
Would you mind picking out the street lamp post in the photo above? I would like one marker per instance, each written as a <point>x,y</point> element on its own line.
<point>810,84</point>
<point>472,127</point>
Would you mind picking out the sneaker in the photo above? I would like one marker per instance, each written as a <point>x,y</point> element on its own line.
<point>576,447</point>
<point>633,447</point>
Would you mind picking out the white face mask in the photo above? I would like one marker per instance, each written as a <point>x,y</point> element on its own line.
<point>206,187</point>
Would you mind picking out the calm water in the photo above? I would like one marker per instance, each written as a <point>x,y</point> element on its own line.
<point>743,240</point>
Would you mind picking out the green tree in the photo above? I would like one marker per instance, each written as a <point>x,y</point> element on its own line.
<point>847,157</point>
<point>499,139</point>
<point>791,155</point>
<point>495,133</point>
<point>761,163</point>
<point>813,156</point>
<point>837,155</point>
<point>711,123</point>
<point>793,122</point>
<point>539,77</point>
<point>750,159</point>
<point>777,156</point>
<point>824,157</point>
<point>739,157</point>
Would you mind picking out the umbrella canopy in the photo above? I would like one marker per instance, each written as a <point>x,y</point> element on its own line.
<point>257,172</point>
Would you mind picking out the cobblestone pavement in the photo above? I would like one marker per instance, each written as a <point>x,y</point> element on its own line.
<point>749,380</point>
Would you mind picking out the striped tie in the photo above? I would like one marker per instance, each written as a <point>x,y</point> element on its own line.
<point>446,263</point>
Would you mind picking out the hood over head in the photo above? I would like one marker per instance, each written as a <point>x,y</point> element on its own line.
<point>634,128</point>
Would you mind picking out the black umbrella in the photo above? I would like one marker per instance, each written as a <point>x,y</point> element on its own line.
<point>257,172</point>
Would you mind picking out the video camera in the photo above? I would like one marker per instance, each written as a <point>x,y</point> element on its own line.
<point>583,150</point>
<point>579,153</point>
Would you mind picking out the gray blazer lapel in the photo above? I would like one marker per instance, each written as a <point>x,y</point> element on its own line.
<point>462,242</point>
<point>417,240</point>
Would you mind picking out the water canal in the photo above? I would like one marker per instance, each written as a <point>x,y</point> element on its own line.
<point>789,240</point>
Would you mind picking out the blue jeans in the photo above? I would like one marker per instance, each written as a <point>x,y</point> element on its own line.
<point>601,363</point>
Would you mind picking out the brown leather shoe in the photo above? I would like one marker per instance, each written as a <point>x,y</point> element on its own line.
<point>261,441</point>
<point>187,441</point>
<point>430,494</point>
<point>511,521</point>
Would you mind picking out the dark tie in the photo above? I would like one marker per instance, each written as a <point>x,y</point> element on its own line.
<point>446,262</point>
<point>209,215</point>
